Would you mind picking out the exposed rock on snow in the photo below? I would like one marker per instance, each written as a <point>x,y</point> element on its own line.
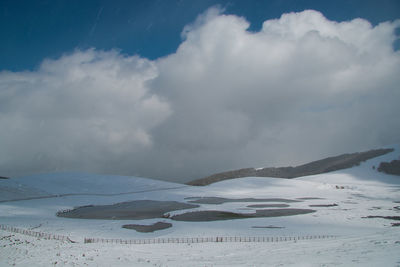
<point>148,228</point>
<point>392,167</point>
<point>132,210</point>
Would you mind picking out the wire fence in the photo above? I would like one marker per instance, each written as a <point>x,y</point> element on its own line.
<point>166,240</point>
<point>225,239</point>
<point>35,233</point>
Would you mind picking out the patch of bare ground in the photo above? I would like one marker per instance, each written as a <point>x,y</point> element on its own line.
<point>268,206</point>
<point>268,227</point>
<point>215,215</point>
<point>131,210</point>
<point>392,167</point>
<point>221,200</point>
<point>323,205</point>
<point>148,228</point>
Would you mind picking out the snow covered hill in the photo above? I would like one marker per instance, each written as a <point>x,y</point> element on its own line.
<point>360,206</point>
<point>73,183</point>
<point>326,165</point>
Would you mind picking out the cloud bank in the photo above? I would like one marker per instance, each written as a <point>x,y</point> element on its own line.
<point>85,111</point>
<point>301,88</point>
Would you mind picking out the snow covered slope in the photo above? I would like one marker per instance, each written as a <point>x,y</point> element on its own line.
<point>342,200</point>
<point>67,183</point>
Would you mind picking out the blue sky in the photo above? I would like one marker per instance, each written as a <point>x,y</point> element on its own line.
<point>34,30</point>
<point>179,90</point>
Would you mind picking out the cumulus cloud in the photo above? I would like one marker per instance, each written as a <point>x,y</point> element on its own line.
<point>301,88</point>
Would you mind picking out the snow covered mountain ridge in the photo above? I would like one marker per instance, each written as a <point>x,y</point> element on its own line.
<point>330,164</point>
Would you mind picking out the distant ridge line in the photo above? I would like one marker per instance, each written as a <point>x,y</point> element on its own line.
<point>329,164</point>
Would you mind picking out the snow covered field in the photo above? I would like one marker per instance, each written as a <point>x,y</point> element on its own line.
<point>378,249</point>
<point>341,200</point>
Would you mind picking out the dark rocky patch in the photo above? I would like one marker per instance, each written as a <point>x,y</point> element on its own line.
<point>396,218</point>
<point>396,208</point>
<point>2,177</point>
<point>268,227</point>
<point>214,215</point>
<point>132,210</point>
<point>221,200</point>
<point>323,205</point>
<point>148,228</point>
<point>395,224</point>
<point>310,198</point>
<point>392,167</point>
<point>209,215</point>
<point>316,167</point>
<point>269,206</point>
<point>282,212</point>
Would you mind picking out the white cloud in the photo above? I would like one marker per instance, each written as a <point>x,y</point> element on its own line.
<point>301,88</point>
<point>81,111</point>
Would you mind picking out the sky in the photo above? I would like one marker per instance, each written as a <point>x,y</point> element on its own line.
<point>178,90</point>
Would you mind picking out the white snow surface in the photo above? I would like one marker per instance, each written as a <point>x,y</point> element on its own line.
<point>32,203</point>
